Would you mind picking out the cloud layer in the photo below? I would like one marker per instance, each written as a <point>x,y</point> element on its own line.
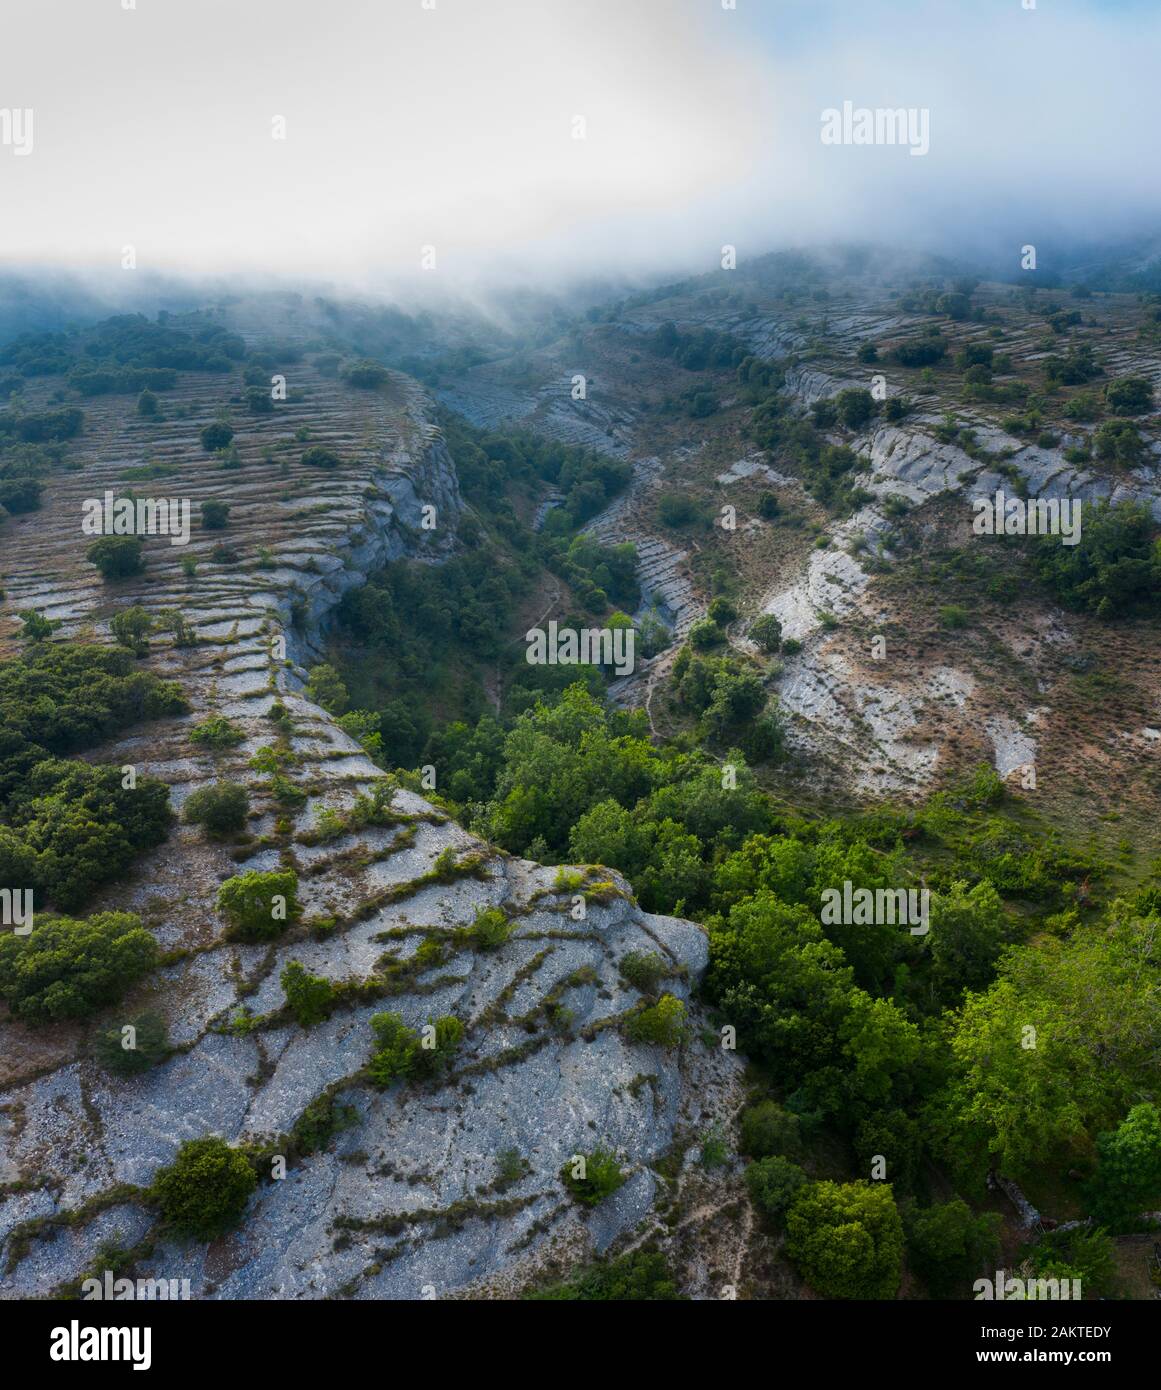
<point>454,127</point>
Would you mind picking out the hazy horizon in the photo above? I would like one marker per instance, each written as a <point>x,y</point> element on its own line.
<point>452,128</point>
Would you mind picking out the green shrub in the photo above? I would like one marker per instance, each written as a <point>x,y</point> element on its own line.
<point>438,1045</point>
<point>134,1046</point>
<point>215,514</point>
<point>704,633</point>
<point>951,615</point>
<point>1087,1255</point>
<point>131,627</point>
<point>84,825</point>
<point>395,1047</point>
<point>773,1183</point>
<point>258,906</point>
<point>310,998</point>
<point>216,436</point>
<point>1130,395</point>
<point>590,1178</point>
<point>204,1191</point>
<point>1119,441</point>
<point>639,1277</point>
<point>663,1024</point>
<point>768,1131</point>
<point>491,929</point>
<point>1116,569</point>
<point>722,611</point>
<point>216,732</point>
<point>676,509</point>
<point>365,373</point>
<point>644,970</point>
<point>69,968</point>
<point>116,557</point>
<point>766,631</point>
<point>318,457</point>
<point>221,808</point>
<point>511,1166</point>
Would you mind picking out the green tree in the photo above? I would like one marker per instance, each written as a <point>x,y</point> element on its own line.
<point>773,1183</point>
<point>769,1130</point>
<point>781,983</point>
<point>704,634</point>
<point>204,1191</point>
<point>147,405</point>
<point>847,1239</point>
<point>947,1246</point>
<point>1129,395</point>
<point>1054,1050</point>
<point>1128,1180</point>
<point>216,436</point>
<point>722,611</point>
<point>1119,441</point>
<point>131,627</point>
<point>855,407</point>
<point>36,627</point>
<point>69,968</point>
<point>766,631</point>
<point>117,557</point>
<point>966,936</point>
<point>325,687</point>
<point>1087,1255</point>
<point>215,514</point>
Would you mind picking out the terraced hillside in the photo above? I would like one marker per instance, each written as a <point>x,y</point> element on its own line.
<point>419,1191</point>
<point>1025,682</point>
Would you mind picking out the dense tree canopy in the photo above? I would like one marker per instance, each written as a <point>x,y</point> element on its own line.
<point>68,968</point>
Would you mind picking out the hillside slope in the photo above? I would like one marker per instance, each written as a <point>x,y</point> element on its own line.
<point>401,1194</point>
